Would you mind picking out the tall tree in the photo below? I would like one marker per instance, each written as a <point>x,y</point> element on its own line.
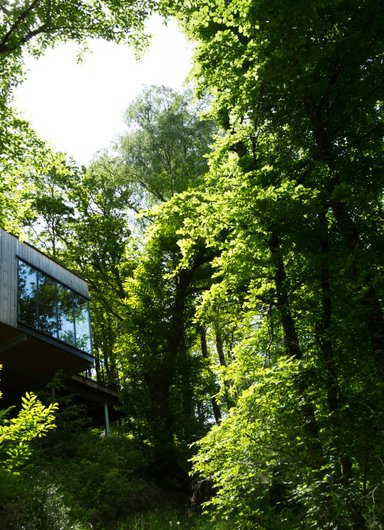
<point>85,218</point>
<point>81,218</point>
<point>296,213</point>
<point>164,150</point>
<point>163,368</point>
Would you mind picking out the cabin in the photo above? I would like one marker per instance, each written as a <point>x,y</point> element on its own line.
<point>45,328</point>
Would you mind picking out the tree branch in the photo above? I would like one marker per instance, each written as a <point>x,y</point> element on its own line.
<point>17,23</point>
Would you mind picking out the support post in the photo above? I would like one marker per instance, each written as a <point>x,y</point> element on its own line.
<point>106,420</point>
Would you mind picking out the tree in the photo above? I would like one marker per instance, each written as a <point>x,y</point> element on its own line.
<point>294,204</point>
<point>85,218</point>
<point>164,151</point>
<point>31,27</point>
<point>38,24</point>
<point>22,156</point>
<point>162,369</point>
<point>81,218</point>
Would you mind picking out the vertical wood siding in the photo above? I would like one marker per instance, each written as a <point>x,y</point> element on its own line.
<point>10,250</point>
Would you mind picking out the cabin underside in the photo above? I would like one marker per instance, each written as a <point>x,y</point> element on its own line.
<point>29,362</point>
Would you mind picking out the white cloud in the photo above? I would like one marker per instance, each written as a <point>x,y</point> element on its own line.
<point>78,108</point>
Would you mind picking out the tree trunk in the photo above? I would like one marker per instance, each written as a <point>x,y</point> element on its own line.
<point>159,380</point>
<point>323,330</point>
<point>204,350</point>
<point>291,340</point>
<point>362,278</point>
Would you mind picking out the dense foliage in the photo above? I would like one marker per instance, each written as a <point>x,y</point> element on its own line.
<point>241,316</point>
<point>295,184</point>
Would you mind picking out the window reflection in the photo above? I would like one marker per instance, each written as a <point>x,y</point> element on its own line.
<point>66,317</point>
<point>47,305</point>
<point>51,308</point>
<point>27,295</point>
<point>83,339</point>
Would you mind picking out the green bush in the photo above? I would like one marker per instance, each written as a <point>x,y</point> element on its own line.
<point>101,480</point>
<point>42,506</point>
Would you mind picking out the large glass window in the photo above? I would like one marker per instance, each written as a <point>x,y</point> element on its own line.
<point>52,308</point>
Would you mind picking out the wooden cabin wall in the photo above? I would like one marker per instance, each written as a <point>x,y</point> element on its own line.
<point>11,249</point>
<point>8,279</point>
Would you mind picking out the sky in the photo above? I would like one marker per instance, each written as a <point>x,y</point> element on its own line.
<point>78,108</point>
